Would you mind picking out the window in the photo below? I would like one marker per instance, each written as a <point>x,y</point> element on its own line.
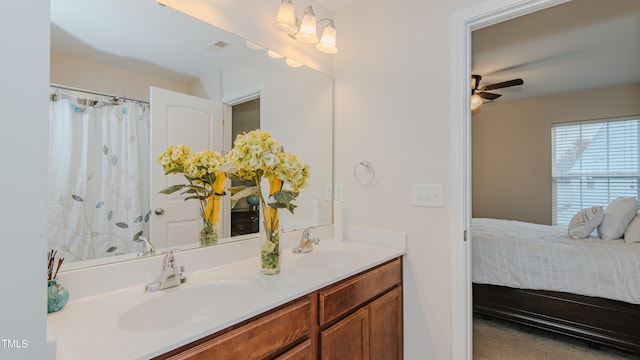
<point>594,162</point>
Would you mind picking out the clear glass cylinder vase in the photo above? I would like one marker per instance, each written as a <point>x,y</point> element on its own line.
<point>209,234</point>
<point>271,254</point>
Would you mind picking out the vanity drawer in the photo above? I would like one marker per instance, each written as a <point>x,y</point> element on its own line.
<point>348,295</point>
<point>260,338</point>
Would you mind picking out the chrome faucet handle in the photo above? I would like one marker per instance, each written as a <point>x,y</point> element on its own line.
<point>306,232</point>
<point>147,248</point>
<point>306,244</point>
<point>169,260</point>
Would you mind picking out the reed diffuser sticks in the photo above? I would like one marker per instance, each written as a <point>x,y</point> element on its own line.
<point>51,260</point>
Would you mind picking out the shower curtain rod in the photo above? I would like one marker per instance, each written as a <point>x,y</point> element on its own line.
<point>114,97</point>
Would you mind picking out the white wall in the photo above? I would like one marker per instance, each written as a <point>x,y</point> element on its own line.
<point>393,79</point>
<point>512,148</point>
<point>24,70</point>
<point>90,75</point>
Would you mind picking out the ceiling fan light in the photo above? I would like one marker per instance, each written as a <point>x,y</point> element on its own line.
<point>327,42</point>
<point>476,101</point>
<point>286,18</point>
<point>308,32</point>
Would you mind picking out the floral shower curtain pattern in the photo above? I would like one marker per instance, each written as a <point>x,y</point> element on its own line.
<point>98,177</point>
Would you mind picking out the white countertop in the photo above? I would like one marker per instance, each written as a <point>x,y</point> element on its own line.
<point>87,327</point>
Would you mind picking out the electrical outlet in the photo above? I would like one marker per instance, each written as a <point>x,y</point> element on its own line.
<point>427,195</point>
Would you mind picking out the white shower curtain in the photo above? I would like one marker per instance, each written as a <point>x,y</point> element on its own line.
<point>98,177</point>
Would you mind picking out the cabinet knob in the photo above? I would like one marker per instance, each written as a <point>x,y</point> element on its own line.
<point>159,211</point>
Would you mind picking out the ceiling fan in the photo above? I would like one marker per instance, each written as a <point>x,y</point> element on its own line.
<point>479,93</point>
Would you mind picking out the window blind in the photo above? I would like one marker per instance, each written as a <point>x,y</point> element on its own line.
<point>593,163</point>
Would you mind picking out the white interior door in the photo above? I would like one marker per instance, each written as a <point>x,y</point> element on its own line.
<point>179,119</point>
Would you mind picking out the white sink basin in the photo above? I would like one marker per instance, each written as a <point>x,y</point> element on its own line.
<point>189,303</point>
<point>328,259</point>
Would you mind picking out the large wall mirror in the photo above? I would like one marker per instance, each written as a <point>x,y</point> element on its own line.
<point>101,160</point>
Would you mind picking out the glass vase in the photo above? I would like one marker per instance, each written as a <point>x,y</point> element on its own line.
<point>57,296</point>
<point>270,255</point>
<point>209,234</point>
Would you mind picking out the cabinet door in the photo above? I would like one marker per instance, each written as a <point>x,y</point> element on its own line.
<point>347,339</point>
<point>303,351</point>
<point>386,326</point>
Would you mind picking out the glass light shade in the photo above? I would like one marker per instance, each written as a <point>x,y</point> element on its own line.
<point>253,46</point>
<point>308,32</point>
<point>476,101</point>
<point>286,18</point>
<point>274,54</point>
<point>327,42</point>
<point>293,63</point>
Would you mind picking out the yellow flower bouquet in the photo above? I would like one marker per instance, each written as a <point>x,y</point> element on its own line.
<point>205,183</point>
<point>256,155</point>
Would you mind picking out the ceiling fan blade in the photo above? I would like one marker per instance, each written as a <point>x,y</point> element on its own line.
<point>504,84</point>
<point>488,96</point>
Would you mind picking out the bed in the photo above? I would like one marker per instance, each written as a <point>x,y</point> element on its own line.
<point>537,275</point>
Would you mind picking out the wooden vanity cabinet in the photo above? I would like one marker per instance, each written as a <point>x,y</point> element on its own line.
<point>268,336</point>
<point>359,318</point>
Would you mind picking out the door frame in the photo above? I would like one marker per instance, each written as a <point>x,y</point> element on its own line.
<point>228,101</point>
<point>464,22</point>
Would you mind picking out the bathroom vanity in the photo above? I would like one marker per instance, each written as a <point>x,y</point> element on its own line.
<point>357,318</point>
<point>342,300</point>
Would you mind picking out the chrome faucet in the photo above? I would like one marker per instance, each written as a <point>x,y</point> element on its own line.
<point>306,244</point>
<point>170,276</point>
<point>147,248</point>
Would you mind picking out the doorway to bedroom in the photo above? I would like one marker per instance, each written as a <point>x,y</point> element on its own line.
<point>510,133</point>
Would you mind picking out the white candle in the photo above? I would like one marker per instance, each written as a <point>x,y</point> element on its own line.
<point>338,227</point>
<point>316,212</point>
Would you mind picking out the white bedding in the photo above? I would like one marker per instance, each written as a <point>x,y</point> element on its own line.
<point>542,257</point>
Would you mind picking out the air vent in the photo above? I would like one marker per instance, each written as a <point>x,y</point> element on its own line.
<point>217,46</point>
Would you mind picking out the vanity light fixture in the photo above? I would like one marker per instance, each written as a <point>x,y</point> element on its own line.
<point>293,63</point>
<point>274,54</point>
<point>327,42</point>
<point>286,19</point>
<point>306,30</point>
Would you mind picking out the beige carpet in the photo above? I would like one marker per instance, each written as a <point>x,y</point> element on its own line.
<point>500,340</point>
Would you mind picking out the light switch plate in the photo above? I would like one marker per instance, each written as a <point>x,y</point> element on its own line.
<point>431,195</point>
<point>328,192</point>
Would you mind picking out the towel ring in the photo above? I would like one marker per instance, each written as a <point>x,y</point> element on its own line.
<point>357,173</point>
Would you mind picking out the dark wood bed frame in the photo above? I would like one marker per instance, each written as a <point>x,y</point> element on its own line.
<point>595,320</point>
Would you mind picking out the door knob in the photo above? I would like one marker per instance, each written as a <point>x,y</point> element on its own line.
<point>159,211</point>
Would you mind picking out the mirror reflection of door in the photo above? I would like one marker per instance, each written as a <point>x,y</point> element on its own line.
<point>179,119</point>
<point>245,215</point>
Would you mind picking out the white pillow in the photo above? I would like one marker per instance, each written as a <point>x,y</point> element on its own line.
<point>617,216</point>
<point>585,221</point>
<point>632,234</point>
